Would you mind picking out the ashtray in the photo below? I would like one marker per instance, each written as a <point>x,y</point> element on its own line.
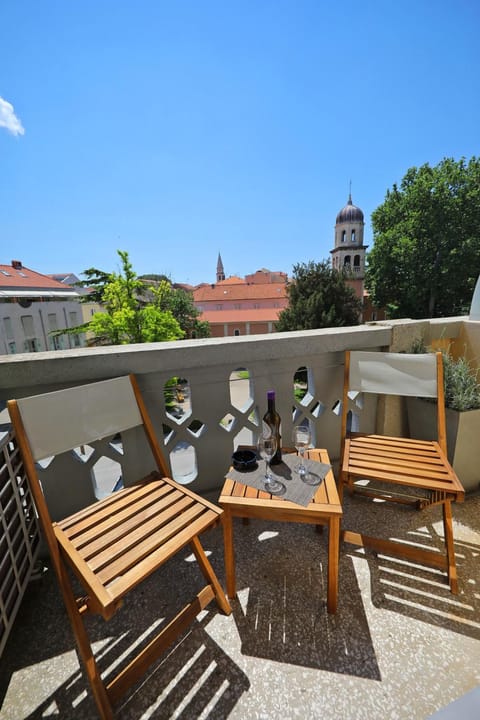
<point>244,460</point>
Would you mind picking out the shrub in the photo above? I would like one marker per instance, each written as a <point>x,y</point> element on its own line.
<point>462,389</point>
<point>460,380</point>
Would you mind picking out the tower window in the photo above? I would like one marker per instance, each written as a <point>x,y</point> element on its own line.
<point>346,260</point>
<point>356,262</point>
<point>344,236</point>
<point>353,236</point>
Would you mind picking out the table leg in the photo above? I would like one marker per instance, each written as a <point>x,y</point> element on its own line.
<point>333,558</point>
<point>229,554</point>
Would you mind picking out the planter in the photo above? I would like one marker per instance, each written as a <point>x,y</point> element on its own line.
<point>463,437</point>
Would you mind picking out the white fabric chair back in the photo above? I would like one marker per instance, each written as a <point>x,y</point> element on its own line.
<point>100,409</point>
<point>394,373</point>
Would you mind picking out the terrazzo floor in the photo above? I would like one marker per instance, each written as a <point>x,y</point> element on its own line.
<point>399,647</point>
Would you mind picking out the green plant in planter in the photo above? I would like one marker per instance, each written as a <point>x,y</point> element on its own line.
<point>462,402</point>
<point>460,381</point>
<point>462,388</point>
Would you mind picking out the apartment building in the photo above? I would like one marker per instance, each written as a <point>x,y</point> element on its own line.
<point>33,307</point>
<point>242,306</point>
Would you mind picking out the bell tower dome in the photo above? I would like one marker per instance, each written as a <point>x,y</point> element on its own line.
<point>349,250</point>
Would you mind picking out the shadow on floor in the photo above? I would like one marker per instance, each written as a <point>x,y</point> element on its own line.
<point>414,590</point>
<point>222,666</point>
<point>192,675</point>
<point>284,616</point>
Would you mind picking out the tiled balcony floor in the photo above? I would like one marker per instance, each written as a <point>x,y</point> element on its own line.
<point>400,646</point>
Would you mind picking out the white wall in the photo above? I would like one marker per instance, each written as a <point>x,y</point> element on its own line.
<point>39,311</point>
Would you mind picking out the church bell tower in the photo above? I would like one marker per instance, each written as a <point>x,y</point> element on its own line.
<point>220,270</point>
<point>349,251</point>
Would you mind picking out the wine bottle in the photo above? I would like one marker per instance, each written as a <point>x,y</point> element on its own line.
<point>272,420</point>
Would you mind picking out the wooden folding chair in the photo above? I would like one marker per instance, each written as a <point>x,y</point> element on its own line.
<point>114,544</point>
<point>400,461</point>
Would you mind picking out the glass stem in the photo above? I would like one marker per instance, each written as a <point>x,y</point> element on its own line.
<point>302,468</point>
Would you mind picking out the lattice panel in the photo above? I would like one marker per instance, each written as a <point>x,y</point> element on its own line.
<point>19,534</point>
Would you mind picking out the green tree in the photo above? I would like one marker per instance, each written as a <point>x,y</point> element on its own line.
<point>180,303</point>
<point>95,281</point>
<point>124,295</point>
<point>426,253</point>
<point>154,276</point>
<point>319,297</point>
<point>130,316</point>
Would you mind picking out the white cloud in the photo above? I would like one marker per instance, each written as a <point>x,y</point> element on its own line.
<point>9,120</point>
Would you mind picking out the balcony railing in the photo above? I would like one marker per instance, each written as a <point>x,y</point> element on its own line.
<point>222,386</point>
<point>19,533</point>
<point>205,397</point>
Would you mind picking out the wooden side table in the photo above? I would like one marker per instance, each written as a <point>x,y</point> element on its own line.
<point>238,500</point>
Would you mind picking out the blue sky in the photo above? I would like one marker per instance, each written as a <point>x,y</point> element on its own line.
<point>175,130</point>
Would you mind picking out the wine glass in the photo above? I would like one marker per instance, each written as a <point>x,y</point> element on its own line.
<point>267,447</point>
<point>301,439</point>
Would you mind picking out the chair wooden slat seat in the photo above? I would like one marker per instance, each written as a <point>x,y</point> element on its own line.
<point>116,543</point>
<point>385,463</point>
<point>397,461</point>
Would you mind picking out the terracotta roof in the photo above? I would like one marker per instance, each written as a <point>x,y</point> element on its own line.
<point>23,280</point>
<point>232,280</point>
<point>239,292</point>
<point>183,286</point>
<point>216,317</point>
<point>267,276</point>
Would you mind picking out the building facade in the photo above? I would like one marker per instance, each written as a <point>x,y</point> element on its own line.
<point>242,306</point>
<point>33,308</point>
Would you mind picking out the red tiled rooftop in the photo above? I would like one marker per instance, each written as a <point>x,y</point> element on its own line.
<point>232,280</point>
<point>22,278</point>
<point>221,291</point>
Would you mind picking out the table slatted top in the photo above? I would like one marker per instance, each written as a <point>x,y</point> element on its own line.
<point>325,500</point>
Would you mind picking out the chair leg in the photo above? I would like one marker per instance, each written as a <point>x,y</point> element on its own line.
<point>345,479</point>
<point>229,553</point>
<point>448,533</point>
<point>85,651</point>
<point>210,576</point>
<point>340,484</point>
<point>333,561</point>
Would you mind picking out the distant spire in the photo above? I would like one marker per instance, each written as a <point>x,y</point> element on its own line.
<point>220,270</point>
<point>350,193</point>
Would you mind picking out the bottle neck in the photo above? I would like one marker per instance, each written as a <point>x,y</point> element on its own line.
<point>271,401</point>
